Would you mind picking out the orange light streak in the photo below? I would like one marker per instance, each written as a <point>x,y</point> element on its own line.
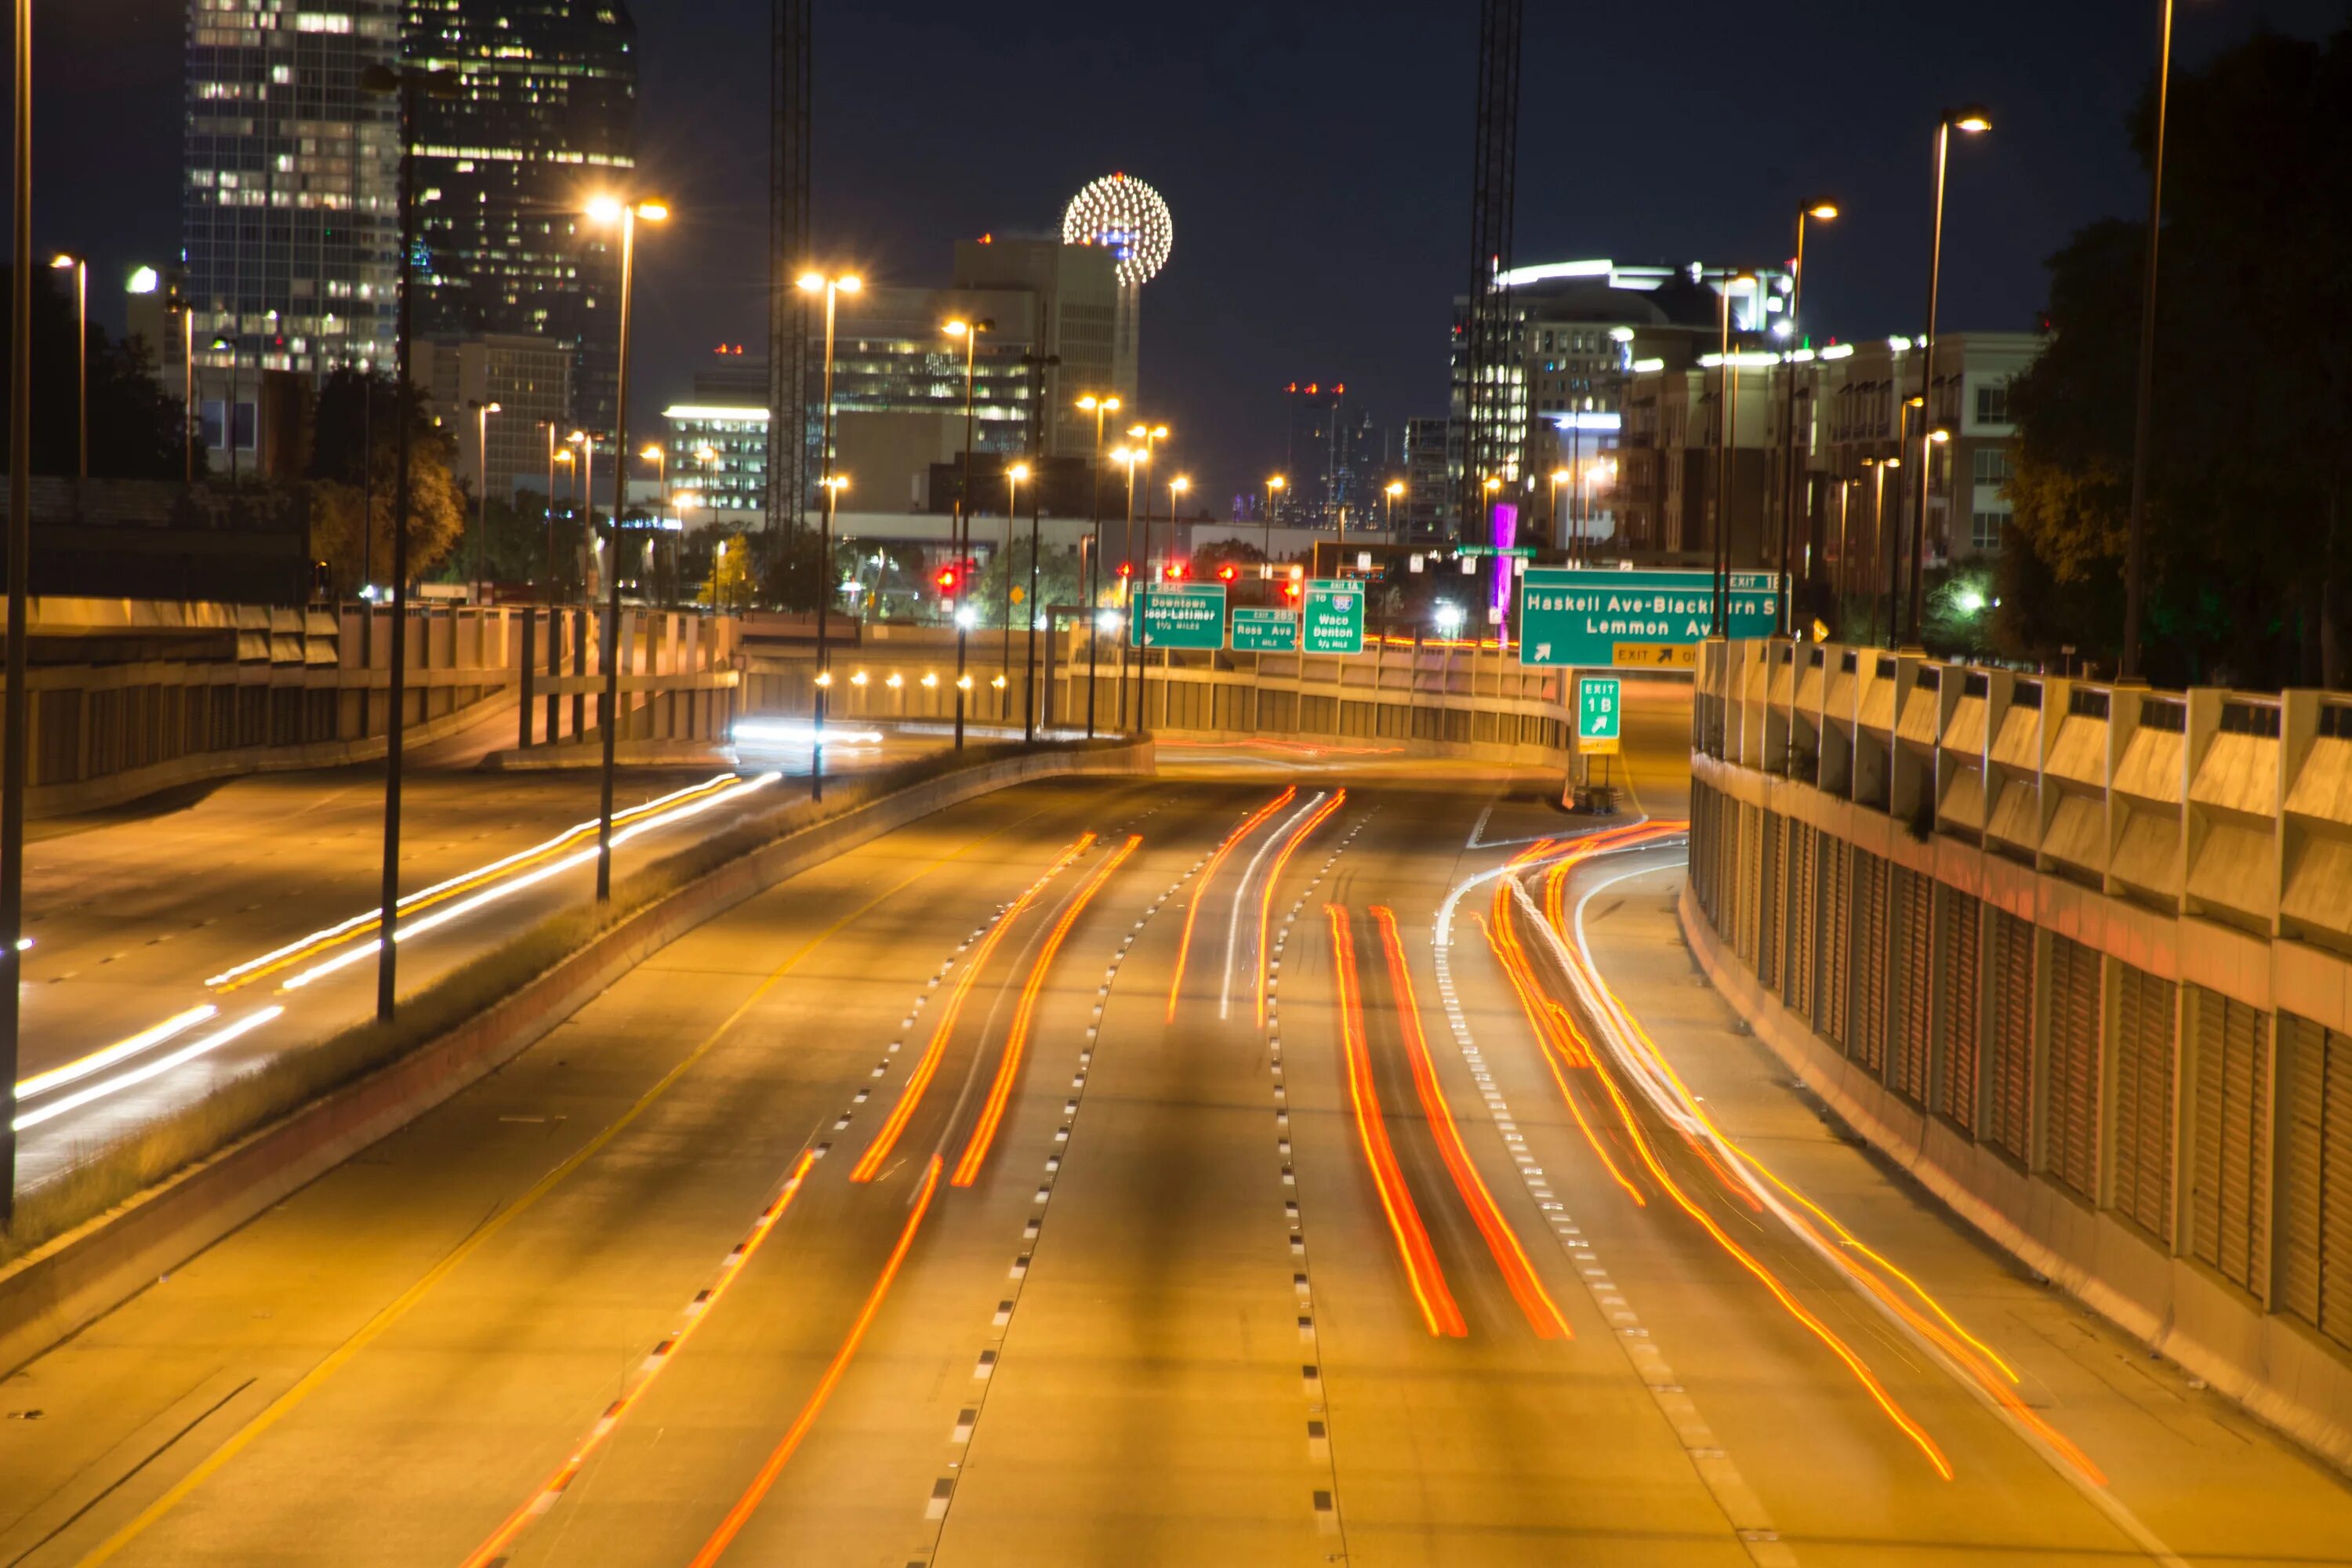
<point>1556,1059</point>
<point>1274,877</point>
<point>665,1354</point>
<point>1438,1309</point>
<point>740,1514</point>
<point>1542,1313</point>
<point>1201,885</point>
<point>1008,1065</point>
<point>887,1139</point>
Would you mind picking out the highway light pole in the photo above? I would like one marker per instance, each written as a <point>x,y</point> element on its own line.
<point>403,85</point>
<point>81,266</point>
<point>12,726</point>
<point>1971,121</point>
<point>1038,364</point>
<point>831,286</point>
<point>1098,408</point>
<point>482,411</point>
<point>1274,488</point>
<point>1727,388</point>
<point>2135,537</point>
<point>1790,489</point>
<point>1013,475</point>
<point>612,209</point>
<point>969,332</point>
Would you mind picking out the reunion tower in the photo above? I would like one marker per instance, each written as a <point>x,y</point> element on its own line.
<point>1131,218</point>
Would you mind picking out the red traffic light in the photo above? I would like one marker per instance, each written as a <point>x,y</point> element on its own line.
<point>1126,569</point>
<point>1290,590</point>
<point>1175,569</point>
<point>946,579</point>
<point>1227,573</point>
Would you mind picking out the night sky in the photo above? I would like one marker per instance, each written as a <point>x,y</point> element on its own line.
<point>1314,157</point>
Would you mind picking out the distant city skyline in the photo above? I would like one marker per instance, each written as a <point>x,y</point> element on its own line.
<point>1353,270</point>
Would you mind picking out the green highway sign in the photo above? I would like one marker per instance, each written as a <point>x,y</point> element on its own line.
<point>1527,551</point>
<point>1257,630</point>
<point>1571,616</point>
<point>1334,619</point>
<point>1599,702</point>
<point>1190,615</point>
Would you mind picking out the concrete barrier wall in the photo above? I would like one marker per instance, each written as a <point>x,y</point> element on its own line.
<point>54,1290</point>
<point>2074,954</point>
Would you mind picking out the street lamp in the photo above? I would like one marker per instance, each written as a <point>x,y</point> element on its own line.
<point>1013,475</point>
<point>1821,210</point>
<point>610,209</point>
<point>405,86</point>
<point>81,268</point>
<point>1274,488</point>
<point>832,285</point>
<point>482,411</point>
<point>1393,490</point>
<point>1558,477</point>
<point>2135,534</point>
<point>969,332</point>
<point>1128,457</point>
<point>1099,407</point>
<point>1970,121</point>
<point>1726,386</point>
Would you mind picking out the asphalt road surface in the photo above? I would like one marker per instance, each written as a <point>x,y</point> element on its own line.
<point>979,1198</point>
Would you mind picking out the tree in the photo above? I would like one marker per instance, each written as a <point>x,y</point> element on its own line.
<point>354,469</point>
<point>137,431</point>
<point>1057,583</point>
<point>2251,470</point>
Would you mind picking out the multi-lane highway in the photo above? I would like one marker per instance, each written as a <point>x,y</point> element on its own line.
<point>178,945</point>
<point>1300,1158</point>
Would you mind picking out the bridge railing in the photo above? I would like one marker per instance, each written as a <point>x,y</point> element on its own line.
<point>2081,955</point>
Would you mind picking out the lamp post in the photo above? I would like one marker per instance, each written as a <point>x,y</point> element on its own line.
<point>81,268</point>
<point>1036,365</point>
<point>1176,489</point>
<point>547,515</point>
<point>1099,407</point>
<point>1149,434</point>
<point>969,332</point>
<point>1824,210</point>
<point>407,85</point>
<point>832,285</point>
<point>1726,391</point>
<point>1971,121</point>
<point>1274,488</point>
<point>482,411</point>
<point>587,445</point>
<point>1558,477</point>
<point>2142,408</point>
<point>189,427</point>
<point>1393,490</point>
<point>627,213</point>
<point>13,716</point>
<point>1013,477</point>
<point>1133,631</point>
<point>655,453</point>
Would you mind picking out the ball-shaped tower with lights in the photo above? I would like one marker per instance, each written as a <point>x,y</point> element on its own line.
<point>1128,218</point>
<point>1125,214</point>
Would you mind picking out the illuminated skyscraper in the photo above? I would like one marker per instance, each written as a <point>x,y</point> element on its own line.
<point>288,228</point>
<point>545,115</point>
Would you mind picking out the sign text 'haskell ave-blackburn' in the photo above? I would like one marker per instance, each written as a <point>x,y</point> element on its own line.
<point>1573,617</point>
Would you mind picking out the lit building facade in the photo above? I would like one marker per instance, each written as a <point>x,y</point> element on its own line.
<point>289,230</point>
<point>545,116</point>
<point>530,379</point>
<point>1073,306</point>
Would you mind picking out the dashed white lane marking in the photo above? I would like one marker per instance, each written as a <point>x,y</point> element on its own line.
<point>1323,1502</point>
<point>1742,1509</point>
<point>1000,1323</point>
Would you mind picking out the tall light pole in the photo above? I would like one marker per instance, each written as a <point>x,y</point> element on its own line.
<point>1273,488</point>
<point>482,411</point>
<point>1036,365</point>
<point>1133,629</point>
<point>547,516</point>
<point>1727,390</point>
<point>13,725</point>
<point>1013,477</point>
<point>1971,121</point>
<point>968,333</point>
<point>79,265</point>
<point>1149,434</point>
<point>189,427</point>
<point>405,85</point>
<point>1822,210</point>
<point>2142,410</point>
<point>1558,477</point>
<point>655,453</point>
<point>1393,490</point>
<point>587,490</point>
<point>1176,489</point>
<point>627,213</point>
<point>832,285</point>
<point>1099,407</point>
